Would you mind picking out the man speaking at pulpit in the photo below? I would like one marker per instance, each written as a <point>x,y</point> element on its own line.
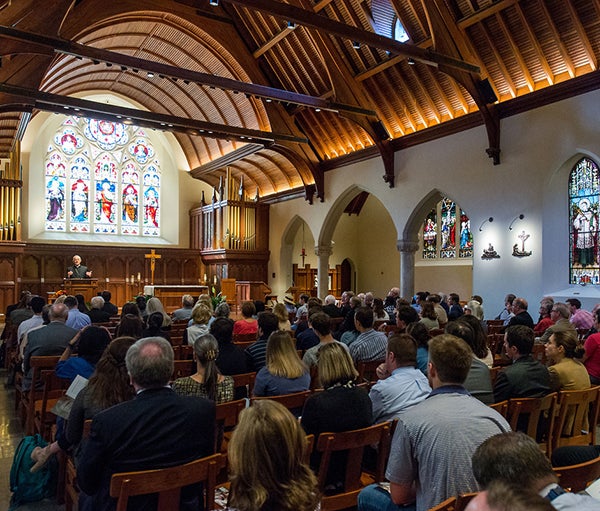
<point>78,271</point>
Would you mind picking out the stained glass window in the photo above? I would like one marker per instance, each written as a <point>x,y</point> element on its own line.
<point>98,174</point>
<point>583,223</point>
<point>439,238</point>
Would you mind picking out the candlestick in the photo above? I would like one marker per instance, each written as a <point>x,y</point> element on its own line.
<point>139,276</point>
<point>215,279</point>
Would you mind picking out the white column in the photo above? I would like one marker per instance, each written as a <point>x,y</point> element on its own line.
<point>407,250</point>
<point>323,252</point>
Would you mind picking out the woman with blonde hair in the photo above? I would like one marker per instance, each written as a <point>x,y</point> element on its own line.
<point>155,305</point>
<point>282,315</point>
<point>342,406</point>
<point>200,318</point>
<point>207,381</point>
<point>266,462</point>
<point>284,372</point>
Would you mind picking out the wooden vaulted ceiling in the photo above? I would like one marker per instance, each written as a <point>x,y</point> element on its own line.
<point>280,92</point>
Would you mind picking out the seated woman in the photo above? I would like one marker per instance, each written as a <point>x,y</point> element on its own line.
<point>566,370</point>
<point>379,313</point>
<point>591,359</point>
<point>266,462</point>
<point>155,305</point>
<point>480,346</point>
<point>131,325</point>
<point>342,406</point>
<point>246,325</point>
<point>200,317</point>
<point>420,333</point>
<point>108,385</point>
<point>282,315</point>
<point>284,372</point>
<point>154,328</point>
<point>207,381</point>
<point>429,316</point>
<point>89,345</point>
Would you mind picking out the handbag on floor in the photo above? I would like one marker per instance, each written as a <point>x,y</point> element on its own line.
<point>28,487</point>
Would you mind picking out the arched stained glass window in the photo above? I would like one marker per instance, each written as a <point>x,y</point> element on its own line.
<point>98,176</point>
<point>446,235</point>
<point>584,187</point>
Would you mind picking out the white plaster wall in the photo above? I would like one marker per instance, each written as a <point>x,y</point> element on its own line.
<point>538,150</point>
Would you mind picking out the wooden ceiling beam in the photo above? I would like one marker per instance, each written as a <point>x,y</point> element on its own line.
<point>558,41</point>
<point>582,36</point>
<point>62,46</point>
<point>504,70</point>
<point>329,27</point>
<point>516,52</point>
<point>536,46</point>
<point>273,41</point>
<point>68,105</point>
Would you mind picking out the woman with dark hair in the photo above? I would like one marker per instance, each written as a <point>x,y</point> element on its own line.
<point>342,406</point>
<point>130,326</point>
<point>480,344</point>
<point>246,325</point>
<point>154,328</point>
<point>140,301</point>
<point>131,308</point>
<point>108,385</point>
<point>267,466</point>
<point>207,381</point>
<point>429,316</point>
<point>379,313</point>
<point>89,344</point>
<point>81,304</point>
<point>420,333</point>
<point>564,354</point>
<point>155,305</point>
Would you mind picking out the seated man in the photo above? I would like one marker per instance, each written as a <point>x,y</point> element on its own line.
<point>580,318</point>
<point>560,314</point>
<point>96,313</point>
<point>499,496</point>
<point>321,325</point>
<point>521,316</point>
<point>256,353</point>
<point>430,459</point>
<point>370,345</point>
<point>156,429</point>
<point>401,385</point>
<point>525,377</point>
<point>516,459</point>
<point>187,304</point>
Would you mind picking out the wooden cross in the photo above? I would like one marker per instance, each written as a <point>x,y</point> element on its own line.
<point>153,257</point>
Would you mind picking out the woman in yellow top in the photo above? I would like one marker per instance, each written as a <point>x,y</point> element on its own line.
<point>567,372</point>
<point>564,354</point>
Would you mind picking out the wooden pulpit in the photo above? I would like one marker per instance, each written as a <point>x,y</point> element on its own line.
<point>86,287</point>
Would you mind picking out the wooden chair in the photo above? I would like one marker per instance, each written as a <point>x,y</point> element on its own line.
<point>580,406</point>
<point>35,393</point>
<point>243,345</point>
<point>454,503</point>
<point>501,408</point>
<point>54,388</point>
<point>243,384</point>
<point>576,478</point>
<point>183,368</point>
<point>71,490</point>
<point>494,373</point>
<point>183,352</point>
<point>535,417</point>
<point>539,353</point>
<point>354,442</point>
<point>168,482</point>
<point>227,415</point>
<point>436,331</point>
<point>293,402</point>
<point>367,371</point>
<point>245,338</point>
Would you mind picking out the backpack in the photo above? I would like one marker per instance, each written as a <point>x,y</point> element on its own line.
<point>28,487</point>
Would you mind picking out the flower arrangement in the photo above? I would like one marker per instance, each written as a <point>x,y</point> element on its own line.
<point>216,298</point>
<point>58,293</point>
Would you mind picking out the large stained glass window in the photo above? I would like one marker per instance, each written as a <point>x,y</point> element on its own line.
<point>103,178</point>
<point>447,232</point>
<point>583,223</point>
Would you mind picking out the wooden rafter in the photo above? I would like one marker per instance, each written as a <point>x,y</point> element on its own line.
<point>329,27</point>
<point>589,51</point>
<point>516,52</point>
<point>499,61</point>
<point>557,40</point>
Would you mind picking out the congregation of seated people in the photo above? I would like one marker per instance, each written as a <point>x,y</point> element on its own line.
<point>439,368</point>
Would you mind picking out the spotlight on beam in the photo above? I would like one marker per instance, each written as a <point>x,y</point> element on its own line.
<point>214,3</point>
<point>356,45</point>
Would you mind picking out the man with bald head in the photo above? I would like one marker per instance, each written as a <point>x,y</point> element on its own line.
<point>51,339</point>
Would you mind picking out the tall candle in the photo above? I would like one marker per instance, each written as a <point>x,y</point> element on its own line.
<point>139,276</point>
